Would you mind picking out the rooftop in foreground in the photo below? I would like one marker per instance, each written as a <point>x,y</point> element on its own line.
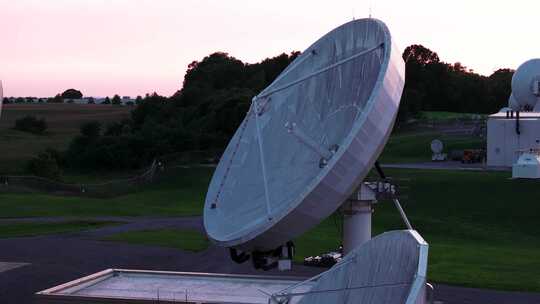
<point>138,286</point>
<point>522,115</point>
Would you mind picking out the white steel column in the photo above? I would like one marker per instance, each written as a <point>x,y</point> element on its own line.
<point>357,211</point>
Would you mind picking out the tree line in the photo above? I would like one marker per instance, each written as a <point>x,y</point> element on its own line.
<point>434,85</point>
<point>216,94</point>
<point>69,96</point>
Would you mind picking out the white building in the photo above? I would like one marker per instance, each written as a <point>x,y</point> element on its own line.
<point>513,133</point>
<point>510,135</point>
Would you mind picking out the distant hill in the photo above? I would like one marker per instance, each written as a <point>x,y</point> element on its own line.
<point>63,121</point>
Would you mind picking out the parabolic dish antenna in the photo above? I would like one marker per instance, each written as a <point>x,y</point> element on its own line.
<point>308,140</point>
<point>526,84</point>
<point>391,268</point>
<point>436,146</point>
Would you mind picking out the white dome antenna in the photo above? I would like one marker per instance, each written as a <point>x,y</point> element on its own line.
<point>526,86</point>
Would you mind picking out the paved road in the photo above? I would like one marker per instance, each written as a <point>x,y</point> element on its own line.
<point>446,165</point>
<point>56,259</point>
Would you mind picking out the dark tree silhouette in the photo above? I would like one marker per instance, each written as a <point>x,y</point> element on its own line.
<point>56,99</point>
<point>116,100</point>
<point>72,94</point>
<point>500,88</point>
<point>419,54</point>
<point>216,94</point>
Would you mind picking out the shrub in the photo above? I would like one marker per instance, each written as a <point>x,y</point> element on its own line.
<point>46,164</point>
<point>91,129</point>
<point>56,99</point>
<point>114,129</point>
<point>31,124</point>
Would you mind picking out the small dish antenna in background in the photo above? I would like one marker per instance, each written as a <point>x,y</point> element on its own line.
<point>436,146</point>
<point>437,149</point>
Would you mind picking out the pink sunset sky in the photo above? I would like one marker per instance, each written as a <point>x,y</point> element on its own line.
<point>131,47</point>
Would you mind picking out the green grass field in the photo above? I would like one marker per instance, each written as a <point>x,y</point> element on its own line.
<point>63,120</point>
<point>189,240</point>
<point>180,193</point>
<point>33,229</point>
<point>482,227</point>
<point>441,115</point>
<point>415,147</point>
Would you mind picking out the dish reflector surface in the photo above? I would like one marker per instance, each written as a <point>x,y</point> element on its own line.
<point>308,140</point>
<point>391,268</point>
<point>526,83</point>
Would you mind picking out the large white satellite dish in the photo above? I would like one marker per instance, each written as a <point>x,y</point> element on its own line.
<point>308,140</point>
<point>305,146</point>
<point>526,85</point>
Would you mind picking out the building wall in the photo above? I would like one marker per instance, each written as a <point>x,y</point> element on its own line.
<point>503,143</point>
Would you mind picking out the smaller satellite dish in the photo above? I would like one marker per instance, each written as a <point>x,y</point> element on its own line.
<point>391,268</point>
<point>526,85</point>
<point>436,146</point>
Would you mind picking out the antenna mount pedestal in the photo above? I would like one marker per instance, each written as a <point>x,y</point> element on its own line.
<point>357,211</point>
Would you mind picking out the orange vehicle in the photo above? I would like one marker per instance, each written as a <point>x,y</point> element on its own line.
<point>473,156</point>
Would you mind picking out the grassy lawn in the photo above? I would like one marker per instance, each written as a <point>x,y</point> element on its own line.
<point>32,229</point>
<point>411,148</point>
<point>63,122</point>
<point>482,228</point>
<point>73,177</point>
<point>180,193</point>
<point>190,240</point>
<point>441,115</point>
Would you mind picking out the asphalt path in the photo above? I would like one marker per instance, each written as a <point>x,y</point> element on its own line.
<point>446,165</point>
<point>56,259</point>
